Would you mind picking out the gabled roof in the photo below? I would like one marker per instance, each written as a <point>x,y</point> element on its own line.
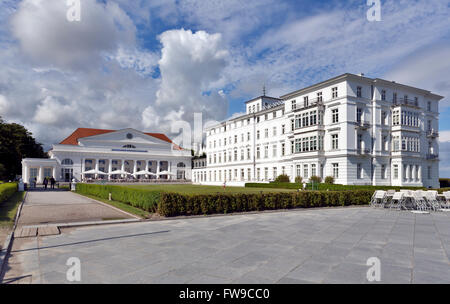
<point>86,132</point>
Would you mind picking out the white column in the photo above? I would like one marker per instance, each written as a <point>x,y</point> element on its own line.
<point>25,173</point>
<point>170,169</point>
<point>41,175</point>
<point>54,173</point>
<point>158,168</point>
<point>123,166</point>
<point>134,166</point>
<point>96,166</point>
<point>110,168</point>
<point>146,165</point>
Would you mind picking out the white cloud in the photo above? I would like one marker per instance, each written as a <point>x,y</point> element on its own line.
<point>190,65</point>
<point>48,38</point>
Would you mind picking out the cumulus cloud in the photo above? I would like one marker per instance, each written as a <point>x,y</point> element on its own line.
<point>190,65</point>
<point>48,38</point>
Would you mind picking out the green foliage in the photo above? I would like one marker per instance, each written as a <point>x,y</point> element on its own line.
<point>445,182</point>
<point>283,179</point>
<point>329,180</point>
<point>140,198</point>
<point>16,143</point>
<point>325,187</point>
<point>299,180</point>
<point>315,179</point>
<point>177,204</point>
<point>7,190</point>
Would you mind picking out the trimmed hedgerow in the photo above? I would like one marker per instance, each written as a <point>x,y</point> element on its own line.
<point>176,204</point>
<point>327,187</point>
<point>140,198</point>
<point>7,190</point>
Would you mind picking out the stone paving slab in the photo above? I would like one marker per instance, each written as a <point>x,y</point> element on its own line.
<point>25,232</point>
<point>46,231</point>
<point>298,247</point>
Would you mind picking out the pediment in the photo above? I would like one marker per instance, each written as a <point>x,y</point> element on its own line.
<point>122,138</point>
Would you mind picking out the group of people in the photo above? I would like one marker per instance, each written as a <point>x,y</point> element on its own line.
<point>46,182</point>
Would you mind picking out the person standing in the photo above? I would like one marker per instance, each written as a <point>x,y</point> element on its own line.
<point>52,182</point>
<point>45,183</point>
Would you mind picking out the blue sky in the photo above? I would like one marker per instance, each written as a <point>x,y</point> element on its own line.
<point>147,64</point>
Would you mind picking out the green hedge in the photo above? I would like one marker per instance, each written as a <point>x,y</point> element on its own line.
<point>140,198</point>
<point>7,190</point>
<point>325,187</point>
<point>175,204</point>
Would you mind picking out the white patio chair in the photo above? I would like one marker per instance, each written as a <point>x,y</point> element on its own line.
<point>446,204</point>
<point>420,201</point>
<point>378,198</point>
<point>397,200</point>
<point>431,197</point>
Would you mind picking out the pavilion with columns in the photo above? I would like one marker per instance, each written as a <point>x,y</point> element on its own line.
<point>93,154</point>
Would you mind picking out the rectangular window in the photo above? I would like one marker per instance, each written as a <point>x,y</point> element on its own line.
<point>394,98</point>
<point>258,134</point>
<point>258,152</point>
<point>266,151</point>
<point>299,170</point>
<point>306,101</point>
<point>294,105</point>
<point>359,171</point>
<point>274,150</point>
<point>266,133</point>
<point>319,97</point>
<point>313,170</point>
<point>283,129</point>
<point>359,115</point>
<point>334,92</point>
<point>383,95</point>
<point>336,170</point>
<point>383,172</point>
<point>335,115</point>
<point>274,131</point>
<point>429,106</point>
<point>395,171</point>
<point>359,92</point>
<point>249,156</point>
<point>335,142</point>
<point>305,171</point>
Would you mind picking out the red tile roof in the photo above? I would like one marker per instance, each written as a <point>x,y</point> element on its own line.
<point>85,132</point>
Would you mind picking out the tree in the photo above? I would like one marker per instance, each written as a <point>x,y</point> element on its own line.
<point>16,143</point>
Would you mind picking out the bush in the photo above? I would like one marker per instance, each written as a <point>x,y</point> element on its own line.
<point>140,198</point>
<point>283,179</point>
<point>299,180</point>
<point>329,180</point>
<point>7,190</point>
<point>445,182</point>
<point>315,179</point>
<point>176,204</point>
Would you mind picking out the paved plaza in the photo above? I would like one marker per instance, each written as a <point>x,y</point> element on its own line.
<point>46,207</point>
<point>304,246</point>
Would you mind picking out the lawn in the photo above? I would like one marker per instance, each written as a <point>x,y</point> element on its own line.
<point>196,189</point>
<point>8,209</point>
<point>122,206</point>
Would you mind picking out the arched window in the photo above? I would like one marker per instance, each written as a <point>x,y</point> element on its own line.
<point>181,165</point>
<point>129,147</point>
<point>67,162</point>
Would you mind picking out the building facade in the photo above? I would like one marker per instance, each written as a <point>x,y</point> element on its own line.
<point>108,151</point>
<point>359,130</point>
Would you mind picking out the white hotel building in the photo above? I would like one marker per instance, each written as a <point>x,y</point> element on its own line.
<point>361,131</point>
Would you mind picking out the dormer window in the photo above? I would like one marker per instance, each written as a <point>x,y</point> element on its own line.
<point>129,147</point>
